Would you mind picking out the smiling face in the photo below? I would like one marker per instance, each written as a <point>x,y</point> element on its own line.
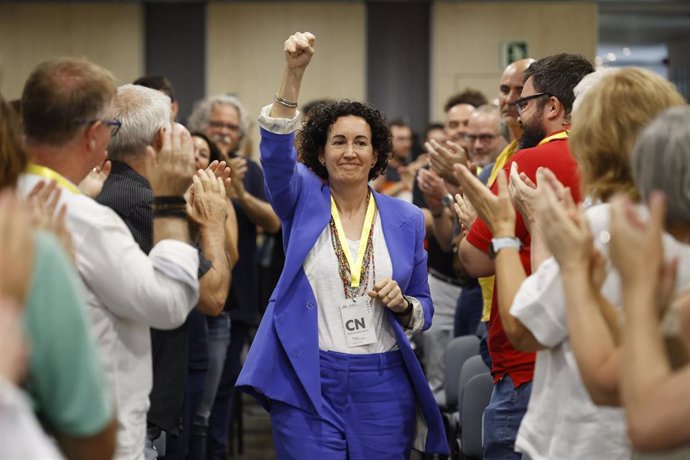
<point>348,154</point>
<point>224,127</point>
<point>484,137</point>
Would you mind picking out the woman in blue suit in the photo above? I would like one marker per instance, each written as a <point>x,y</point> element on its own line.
<point>331,361</point>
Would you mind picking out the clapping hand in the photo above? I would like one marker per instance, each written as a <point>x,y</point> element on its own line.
<point>45,215</point>
<point>93,183</point>
<point>495,210</point>
<point>637,250</point>
<point>443,158</point>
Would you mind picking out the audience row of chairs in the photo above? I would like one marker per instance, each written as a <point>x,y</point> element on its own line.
<point>467,390</point>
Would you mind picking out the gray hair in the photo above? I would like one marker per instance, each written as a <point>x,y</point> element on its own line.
<point>588,82</point>
<point>143,113</point>
<point>199,119</point>
<point>661,161</point>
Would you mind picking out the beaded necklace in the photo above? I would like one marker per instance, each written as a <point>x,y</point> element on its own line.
<point>368,265</point>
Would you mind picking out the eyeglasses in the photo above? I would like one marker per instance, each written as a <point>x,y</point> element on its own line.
<point>220,125</point>
<point>483,138</point>
<point>521,104</point>
<point>114,125</point>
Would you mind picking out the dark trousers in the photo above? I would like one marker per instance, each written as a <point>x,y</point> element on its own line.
<point>180,447</point>
<point>469,311</point>
<point>219,426</point>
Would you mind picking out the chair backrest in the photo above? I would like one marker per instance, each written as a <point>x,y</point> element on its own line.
<point>473,366</point>
<point>475,398</point>
<point>459,350</point>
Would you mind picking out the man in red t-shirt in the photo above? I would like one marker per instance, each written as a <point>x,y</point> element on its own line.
<point>544,111</point>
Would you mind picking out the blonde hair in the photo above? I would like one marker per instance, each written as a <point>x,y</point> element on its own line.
<point>608,120</point>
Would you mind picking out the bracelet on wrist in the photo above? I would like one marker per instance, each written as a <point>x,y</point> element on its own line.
<point>170,206</point>
<point>180,213</point>
<point>285,102</point>
<point>168,200</point>
<point>407,311</point>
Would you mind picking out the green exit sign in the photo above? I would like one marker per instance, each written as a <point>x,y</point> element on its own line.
<point>511,51</point>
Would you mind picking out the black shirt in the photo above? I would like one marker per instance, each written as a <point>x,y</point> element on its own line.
<point>243,300</point>
<point>439,260</point>
<point>130,195</point>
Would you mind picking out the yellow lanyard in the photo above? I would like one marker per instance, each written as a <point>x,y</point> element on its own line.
<point>49,174</point>
<point>553,137</point>
<point>356,268</point>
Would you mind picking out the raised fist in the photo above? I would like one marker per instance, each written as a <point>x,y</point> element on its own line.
<point>299,49</point>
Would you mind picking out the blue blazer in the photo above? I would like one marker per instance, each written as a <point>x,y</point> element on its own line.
<point>283,362</point>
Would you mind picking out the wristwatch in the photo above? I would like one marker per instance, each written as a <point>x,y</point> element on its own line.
<point>447,200</point>
<point>503,242</point>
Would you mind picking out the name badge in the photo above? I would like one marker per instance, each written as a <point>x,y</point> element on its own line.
<point>357,316</point>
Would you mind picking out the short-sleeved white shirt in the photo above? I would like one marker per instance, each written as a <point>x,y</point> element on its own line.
<point>562,421</point>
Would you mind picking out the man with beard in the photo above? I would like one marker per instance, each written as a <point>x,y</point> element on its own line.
<point>544,112</point>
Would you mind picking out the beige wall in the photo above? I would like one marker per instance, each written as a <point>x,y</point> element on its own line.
<point>245,50</point>
<point>109,34</point>
<point>466,38</point>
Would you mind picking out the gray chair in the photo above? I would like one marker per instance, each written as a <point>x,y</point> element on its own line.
<point>472,367</point>
<point>459,350</point>
<point>475,398</point>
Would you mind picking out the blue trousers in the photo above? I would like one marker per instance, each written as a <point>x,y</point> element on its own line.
<point>502,419</point>
<point>469,311</point>
<point>369,412</point>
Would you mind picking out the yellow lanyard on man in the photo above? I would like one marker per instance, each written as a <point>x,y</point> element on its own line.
<point>49,174</point>
<point>356,268</point>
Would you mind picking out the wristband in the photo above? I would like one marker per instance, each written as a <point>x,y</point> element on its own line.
<point>407,311</point>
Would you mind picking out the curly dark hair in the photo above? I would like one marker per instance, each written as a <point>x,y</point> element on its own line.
<point>311,139</point>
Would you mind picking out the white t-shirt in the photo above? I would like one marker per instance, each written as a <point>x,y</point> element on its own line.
<point>562,421</point>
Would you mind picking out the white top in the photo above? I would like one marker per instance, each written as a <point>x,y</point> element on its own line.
<point>562,421</point>
<point>21,437</point>
<point>321,268</point>
<point>127,292</point>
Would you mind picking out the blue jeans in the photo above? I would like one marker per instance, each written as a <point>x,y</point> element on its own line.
<point>219,429</point>
<point>502,419</point>
<point>483,334</point>
<point>218,340</point>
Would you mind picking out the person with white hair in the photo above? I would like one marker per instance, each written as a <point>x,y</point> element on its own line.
<point>223,119</point>
<point>654,388</point>
<point>145,115</point>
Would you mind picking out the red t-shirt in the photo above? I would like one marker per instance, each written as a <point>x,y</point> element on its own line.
<point>554,155</point>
